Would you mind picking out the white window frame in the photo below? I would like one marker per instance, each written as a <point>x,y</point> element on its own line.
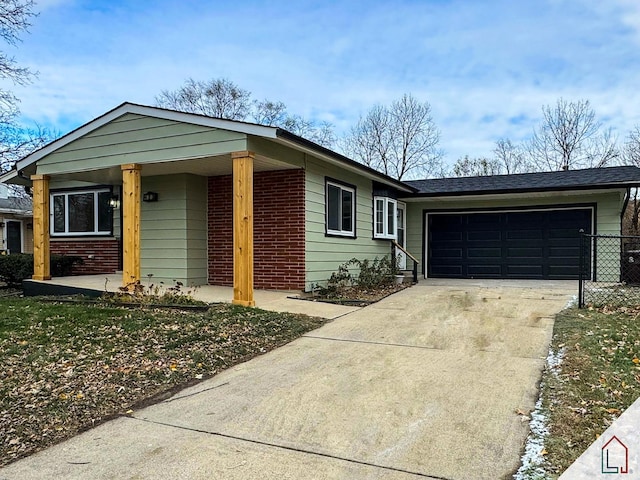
<point>96,217</point>
<point>386,233</point>
<point>341,233</point>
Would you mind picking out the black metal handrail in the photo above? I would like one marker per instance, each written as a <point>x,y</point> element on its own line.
<point>395,245</point>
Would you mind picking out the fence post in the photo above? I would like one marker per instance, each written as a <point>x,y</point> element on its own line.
<point>580,270</point>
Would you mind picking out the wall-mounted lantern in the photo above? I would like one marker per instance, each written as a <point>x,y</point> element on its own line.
<point>114,202</point>
<point>150,197</point>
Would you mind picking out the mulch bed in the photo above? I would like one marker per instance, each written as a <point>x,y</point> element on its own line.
<point>355,296</point>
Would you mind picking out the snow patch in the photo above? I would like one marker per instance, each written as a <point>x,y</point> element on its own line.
<point>532,459</point>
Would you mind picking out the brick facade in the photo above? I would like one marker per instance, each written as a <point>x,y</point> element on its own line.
<point>104,253</point>
<point>278,230</point>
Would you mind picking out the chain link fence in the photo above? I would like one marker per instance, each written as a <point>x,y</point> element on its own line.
<point>609,270</point>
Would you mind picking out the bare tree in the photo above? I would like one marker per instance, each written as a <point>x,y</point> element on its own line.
<point>631,156</point>
<point>510,157</point>
<point>321,133</point>
<point>221,98</point>
<point>475,167</point>
<point>267,112</point>
<point>400,140</point>
<point>15,140</point>
<point>570,137</point>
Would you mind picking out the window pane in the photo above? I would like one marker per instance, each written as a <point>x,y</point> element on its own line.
<point>391,218</point>
<point>380,217</point>
<point>333,207</point>
<point>105,214</point>
<point>58,213</point>
<point>81,212</point>
<point>347,211</point>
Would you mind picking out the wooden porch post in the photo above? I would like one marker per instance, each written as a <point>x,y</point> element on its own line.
<point>130,224</point>
<point>41,255</point>
<point>243,228</point>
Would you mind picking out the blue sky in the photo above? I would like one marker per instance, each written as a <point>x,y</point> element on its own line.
<point>486,67</point>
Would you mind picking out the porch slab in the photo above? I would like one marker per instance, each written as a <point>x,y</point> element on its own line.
<point>271,300</point>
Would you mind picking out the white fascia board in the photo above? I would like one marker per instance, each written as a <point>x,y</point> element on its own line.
<point>10,175</point>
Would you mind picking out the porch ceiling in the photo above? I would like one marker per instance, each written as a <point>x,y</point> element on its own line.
<point>204,166</point>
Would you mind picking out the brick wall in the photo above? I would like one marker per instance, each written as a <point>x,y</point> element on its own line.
<point>278,230</point>
<point>104,252</point>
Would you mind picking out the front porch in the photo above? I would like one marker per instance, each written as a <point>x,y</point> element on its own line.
<point>179,197</point>
<point>272,300</point>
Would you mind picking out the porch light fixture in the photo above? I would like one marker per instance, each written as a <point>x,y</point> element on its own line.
<point>114,202</point>
<point>1,224</point>
<point>150,197</point>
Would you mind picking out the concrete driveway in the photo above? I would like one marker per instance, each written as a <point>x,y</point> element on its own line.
<point>424,384</point>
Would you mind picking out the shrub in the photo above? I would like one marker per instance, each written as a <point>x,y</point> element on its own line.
<point>376,273</point>
<point>372,273</point>
<point>15,268</point>
<point>18,267</point>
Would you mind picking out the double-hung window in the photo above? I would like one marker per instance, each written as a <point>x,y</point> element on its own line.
<point>341,213</point>
<point>384,214</point>
<point>79,213</point>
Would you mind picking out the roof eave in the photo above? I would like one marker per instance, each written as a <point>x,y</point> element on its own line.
<point>524,190</point>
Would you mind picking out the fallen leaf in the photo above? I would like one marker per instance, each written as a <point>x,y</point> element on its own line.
<point>544,452</point>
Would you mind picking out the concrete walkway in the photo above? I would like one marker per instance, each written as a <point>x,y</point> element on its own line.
<point>424,384</point>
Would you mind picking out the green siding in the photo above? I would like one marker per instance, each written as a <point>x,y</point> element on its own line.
<point>137,139</point>
<point>608,206</point>
<point>324,254</point>
<point>174,230</point>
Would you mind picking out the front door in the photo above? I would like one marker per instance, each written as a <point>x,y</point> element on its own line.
<point>401,221</point>
<point>14,237</point>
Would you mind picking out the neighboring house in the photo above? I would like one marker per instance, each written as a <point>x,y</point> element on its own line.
<point>16,222</point>
<point>202,200</point>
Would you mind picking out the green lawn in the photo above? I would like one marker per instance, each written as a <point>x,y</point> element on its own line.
<point>67,367</point>
<point>597,379</point>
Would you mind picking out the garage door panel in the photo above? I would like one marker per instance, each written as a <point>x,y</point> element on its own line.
<point>447,221</point>
<point>522,252</point>
<point>485,271</point>
<point>524,234</point>
<point>479,219</point>
<point>453,271</point>
<point>447,236</point>
<point>441,254</point>
<point>484,253</point>
<point>525,271</point>
<point>524,218</point>
<point>564,252</point>
<point>524,244</point>
<point>484,235</point>
<point>562,233</point>
<point>562,272</point>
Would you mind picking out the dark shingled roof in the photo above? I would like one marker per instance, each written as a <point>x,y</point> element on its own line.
<point>15,203</point>
<point>590,178</point>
